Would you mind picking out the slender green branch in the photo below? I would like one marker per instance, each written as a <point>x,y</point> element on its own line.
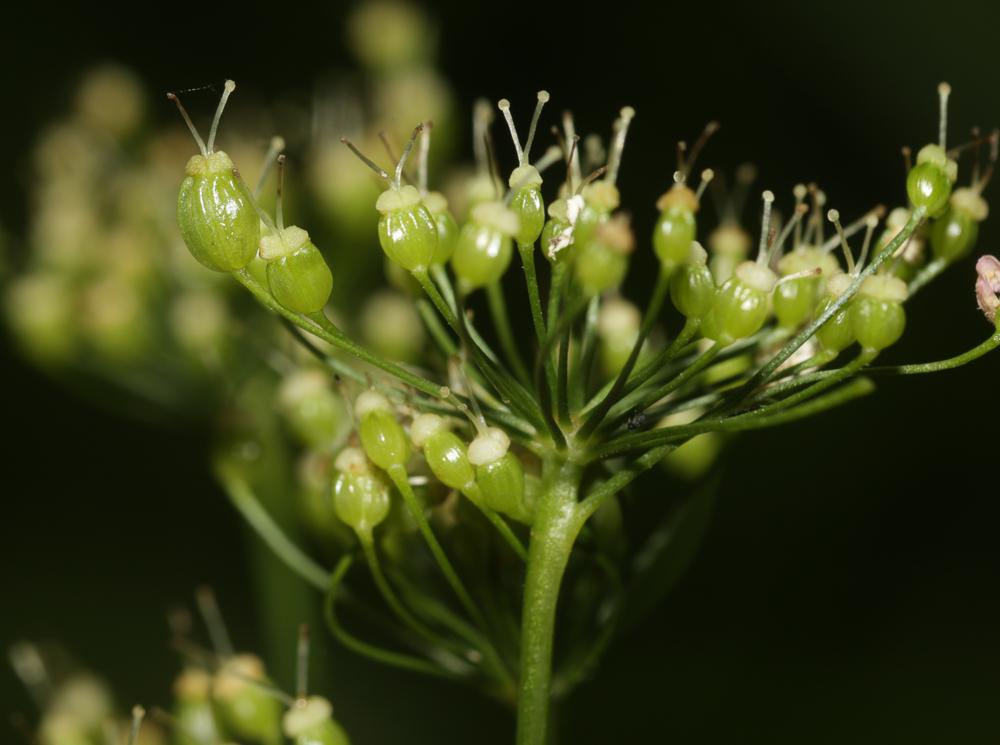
<point>321,326</point>
<point>527,252</point>
<point>501,320</point>
<point>270,532</point>
<point>926,275</point>
<point>757,420</point>
<point>580,373</point>
<point>648,398</point>
<point>371,651</point>
<point>501,526</point>
<point>438,333</point>
<point>392,599</point>
<point>399,478</point>
<point>767,370</point>
<point>621,478</point>
<point>949,364</point>
<point>434,294</point>
<point>648,319</point>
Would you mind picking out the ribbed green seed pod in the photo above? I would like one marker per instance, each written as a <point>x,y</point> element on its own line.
<point>692,286</point>
<point>499,474</point>
<point>360,494</point>
<point>676,226</point>
<point>215,214</point>
<point>297,274</point>
<point>483,250</point>
<point>444,451</point>
<point>407,231</point>
<point>382,437</point>
<point>527,203</point>
<point>837,333</point>
<point>741,304</point>
<point>954,234</point>
<point>602,260</point>
<point>877,313</point>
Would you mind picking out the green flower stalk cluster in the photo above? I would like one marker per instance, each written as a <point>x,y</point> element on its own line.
<point>514,457</point>
<point>219,696</point>
<point>109,299</point>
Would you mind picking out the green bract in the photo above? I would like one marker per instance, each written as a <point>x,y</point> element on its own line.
<point>483,251</point>
<point>877,314</point>
<point>360,495</point>
<point>406,230</point>
<point>297,274</point>
<point>216,216</point>
<point>382,437</point>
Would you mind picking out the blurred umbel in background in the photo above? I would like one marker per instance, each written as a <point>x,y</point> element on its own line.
<point>846,589</point>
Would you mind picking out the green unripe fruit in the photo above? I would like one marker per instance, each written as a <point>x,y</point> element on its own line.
<point>483,250</point>
<point>313,411</point>
<point>310,722</point>
<point>527,203</point>
<point>360,495</point>
<point>877,314</point>
<point>601,261</point>
<point>391,326</point>
<point>313,476</point>
<point>598,268</point>
<point>553,227</point>
<point>928,186</point>
<point>246,711</point>
<point>676,227</point>
<point>406,230</point>
<point>216,216</point>
<point>796,299</point>
<point>297,274</point>
<point>617,331</point>
<point>954,234</point>
<point>444,451</point>
<point>741,304</point>
<point>193,708</point>
<point>499,474</point>
<point>382,437</point>
<point>837,333</point>
<point>692,286</point>
<point>447,228</point>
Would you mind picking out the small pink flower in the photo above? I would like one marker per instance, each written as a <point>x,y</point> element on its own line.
<point>988,286</point>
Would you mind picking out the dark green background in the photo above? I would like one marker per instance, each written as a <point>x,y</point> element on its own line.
<point>847,591</point>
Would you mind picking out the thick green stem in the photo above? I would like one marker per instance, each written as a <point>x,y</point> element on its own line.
<point>557,524</point>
